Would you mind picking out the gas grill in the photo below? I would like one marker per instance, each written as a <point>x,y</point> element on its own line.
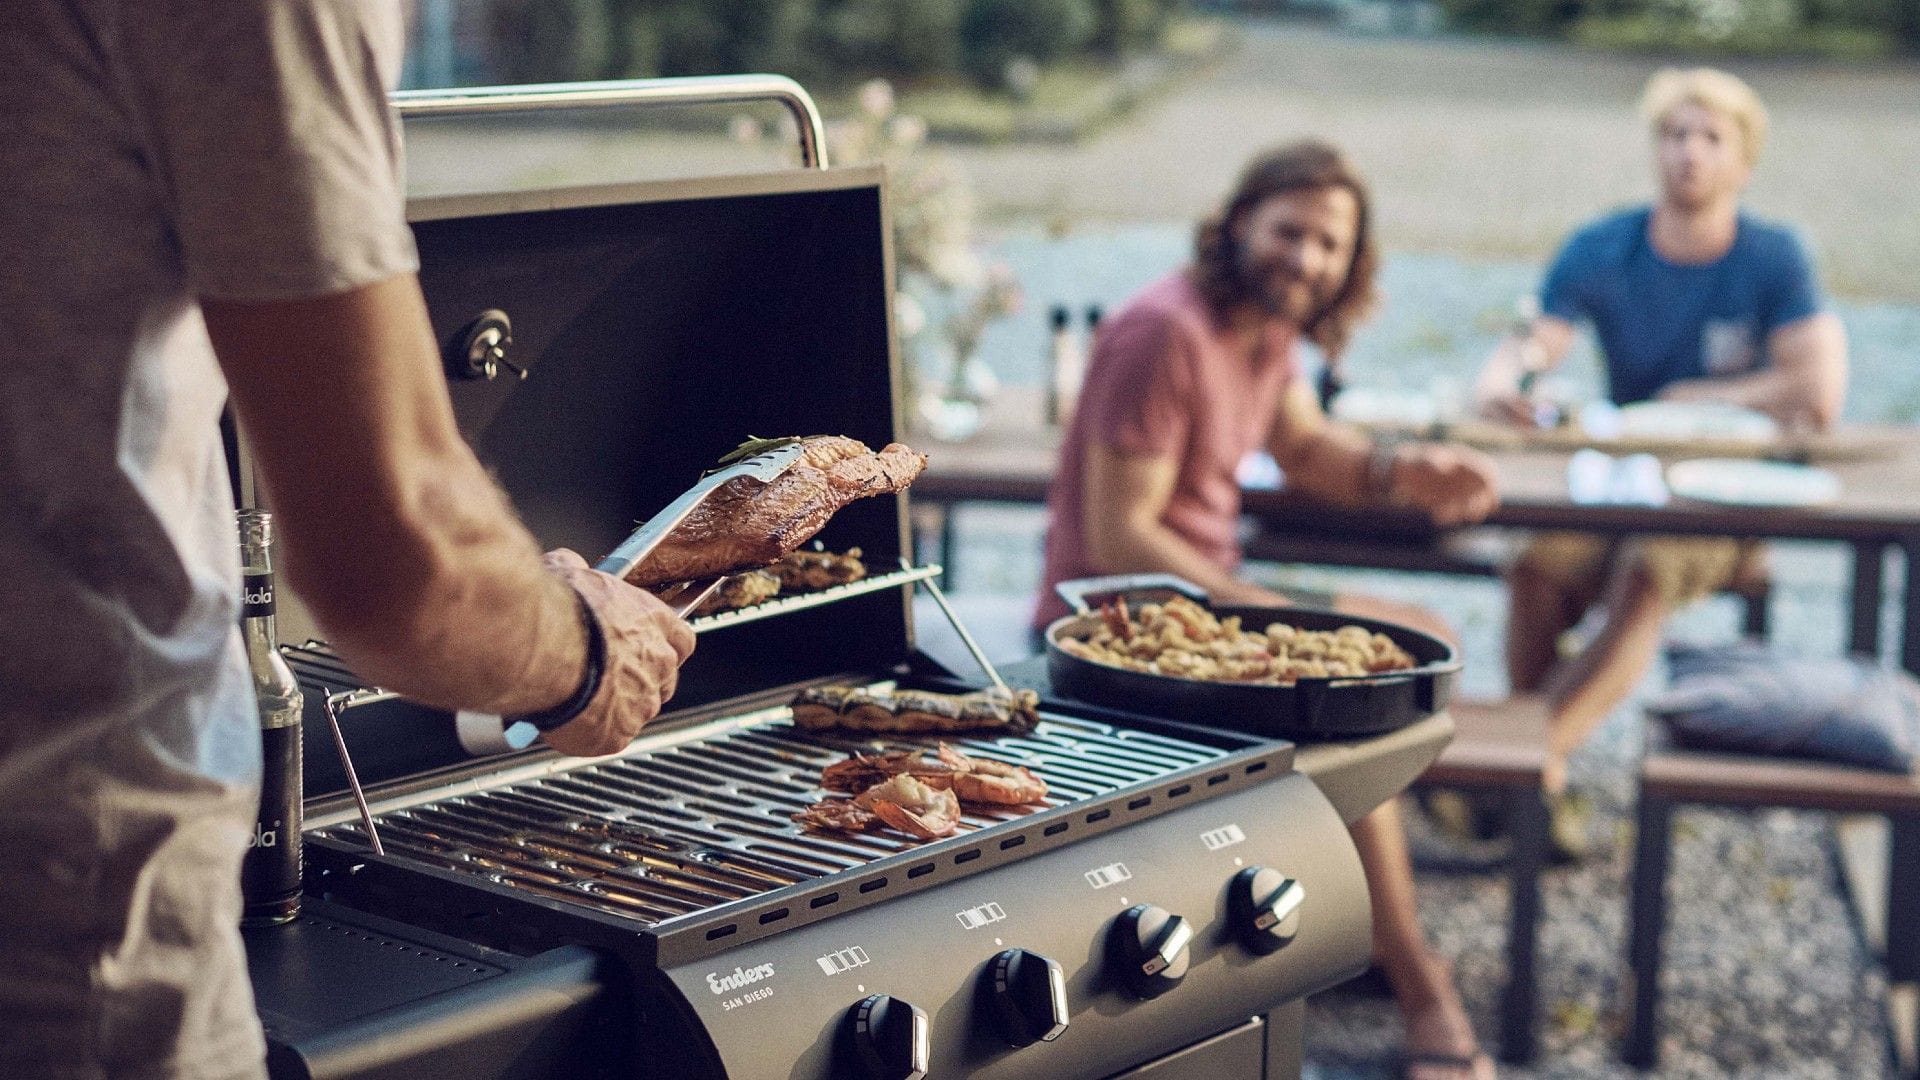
<point>657,913</point>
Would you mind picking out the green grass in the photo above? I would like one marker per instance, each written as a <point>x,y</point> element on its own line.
<point>1072,99</point>
<point>1648,34</point>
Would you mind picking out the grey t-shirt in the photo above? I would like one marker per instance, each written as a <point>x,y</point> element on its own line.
<point>157,151</point>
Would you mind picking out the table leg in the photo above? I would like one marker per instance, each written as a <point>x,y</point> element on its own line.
<point>1869,589</point>
<point>1903,898</point>
<point>948,543</point>
<point>1910,604</point>
<point>1647,917</point>
<point>1527,824</point>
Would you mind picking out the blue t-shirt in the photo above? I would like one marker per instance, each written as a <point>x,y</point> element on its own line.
<point>1661,322</point>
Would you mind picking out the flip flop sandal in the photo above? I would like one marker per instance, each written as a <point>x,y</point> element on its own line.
<point>1463,1066</point>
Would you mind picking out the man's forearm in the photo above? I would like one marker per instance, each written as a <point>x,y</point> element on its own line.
<point>1779,394</point>
<point>393,533</point>
<point>456,610</point>
<point>1335,465</point>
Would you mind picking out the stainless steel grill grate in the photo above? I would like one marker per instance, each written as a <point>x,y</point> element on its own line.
<point>672,831</point>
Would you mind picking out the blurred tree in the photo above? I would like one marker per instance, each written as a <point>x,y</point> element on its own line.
<point>906,38</point>
<point>1550,17</point>
<point>705,37</point>
<point>548,40</point>
<point>994,33</point>
<point>1123,27</point>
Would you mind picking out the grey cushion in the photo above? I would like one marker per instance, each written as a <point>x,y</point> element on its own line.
<point>1746,698</point>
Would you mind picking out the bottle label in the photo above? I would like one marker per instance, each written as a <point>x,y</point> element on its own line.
<point>270,874</point>
<point>256,596</point>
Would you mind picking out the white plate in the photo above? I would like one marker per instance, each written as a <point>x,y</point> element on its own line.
<point>1385,407</point>
<point>1741,482</point>
<point>1695,420</point>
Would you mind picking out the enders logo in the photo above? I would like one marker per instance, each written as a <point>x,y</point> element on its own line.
<point>256,596</point>
<point>740,978</point>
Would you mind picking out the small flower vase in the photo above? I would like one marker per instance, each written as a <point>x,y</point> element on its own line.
<point>951,410</point>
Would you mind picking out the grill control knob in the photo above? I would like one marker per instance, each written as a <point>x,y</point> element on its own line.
<point>1027,997</point>
<point>1147,949</point>
<point>1263,905</point>
<point>884,1038</point>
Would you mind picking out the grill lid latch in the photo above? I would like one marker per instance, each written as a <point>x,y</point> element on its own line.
<point>479,350</point>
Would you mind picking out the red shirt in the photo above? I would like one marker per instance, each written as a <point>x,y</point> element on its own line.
<point>1167,380</point>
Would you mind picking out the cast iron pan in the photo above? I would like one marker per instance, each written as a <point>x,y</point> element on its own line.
<point>1310,709</point>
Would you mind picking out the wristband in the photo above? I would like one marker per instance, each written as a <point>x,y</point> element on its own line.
<point>548,719</point>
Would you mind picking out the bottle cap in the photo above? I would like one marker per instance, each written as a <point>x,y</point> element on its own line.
<point>1093,315</point>
<point>1059,316</point>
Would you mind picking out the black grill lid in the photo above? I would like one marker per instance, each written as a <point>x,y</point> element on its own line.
<point>658,326</point>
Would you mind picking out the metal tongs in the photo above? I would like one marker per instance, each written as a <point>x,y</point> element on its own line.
<point>764,467</point>
<point>487,733</point>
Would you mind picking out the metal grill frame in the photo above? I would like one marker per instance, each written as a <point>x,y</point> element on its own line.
<point>509,916</point>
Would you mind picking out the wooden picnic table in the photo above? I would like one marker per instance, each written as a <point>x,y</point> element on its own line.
<point>1011,459</point>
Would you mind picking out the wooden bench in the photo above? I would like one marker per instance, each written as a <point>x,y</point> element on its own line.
<point>1501,747</point>
<point>1671,778</point>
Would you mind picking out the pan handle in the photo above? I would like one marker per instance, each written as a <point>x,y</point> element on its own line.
<point>1079,592</point>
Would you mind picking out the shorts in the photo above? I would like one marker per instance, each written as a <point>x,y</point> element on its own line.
<point>1684,568</point>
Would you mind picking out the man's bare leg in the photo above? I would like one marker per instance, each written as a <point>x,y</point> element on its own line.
<point>1539,611</point>
<point>1586,689</point>
<point>1436,1021</point>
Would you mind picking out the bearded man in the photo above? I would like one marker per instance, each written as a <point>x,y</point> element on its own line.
<point>1186,379</point>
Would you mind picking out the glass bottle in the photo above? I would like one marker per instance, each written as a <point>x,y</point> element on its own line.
<point>270,874</point>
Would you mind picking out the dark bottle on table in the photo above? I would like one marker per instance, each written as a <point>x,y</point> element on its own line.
<point>270,874</point>
<point>1063,366</point>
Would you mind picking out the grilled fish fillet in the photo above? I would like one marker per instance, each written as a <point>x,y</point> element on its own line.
<point>918,711</point>
<point>748,524</point>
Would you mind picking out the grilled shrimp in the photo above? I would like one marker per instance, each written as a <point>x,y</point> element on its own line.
<point>984,780</point>
<point>861,771</point>
<point>913,807</point>
<point>837,815</point>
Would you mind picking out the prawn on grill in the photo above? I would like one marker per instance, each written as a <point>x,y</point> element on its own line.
<point>995,783</point>
<point>837,815</point>
<point>862,771</point>
<point>914,808</point>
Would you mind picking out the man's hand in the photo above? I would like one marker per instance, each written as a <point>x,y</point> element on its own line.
<point>1453,484</point>
<point>1514,409</point>
<point>646,644</point>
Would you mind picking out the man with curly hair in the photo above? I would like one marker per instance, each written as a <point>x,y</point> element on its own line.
<point>1186,379</point>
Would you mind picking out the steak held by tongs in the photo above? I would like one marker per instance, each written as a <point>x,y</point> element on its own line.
<point>749,523</point>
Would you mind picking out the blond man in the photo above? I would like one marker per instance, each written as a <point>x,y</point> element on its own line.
<point>1691,299</point>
